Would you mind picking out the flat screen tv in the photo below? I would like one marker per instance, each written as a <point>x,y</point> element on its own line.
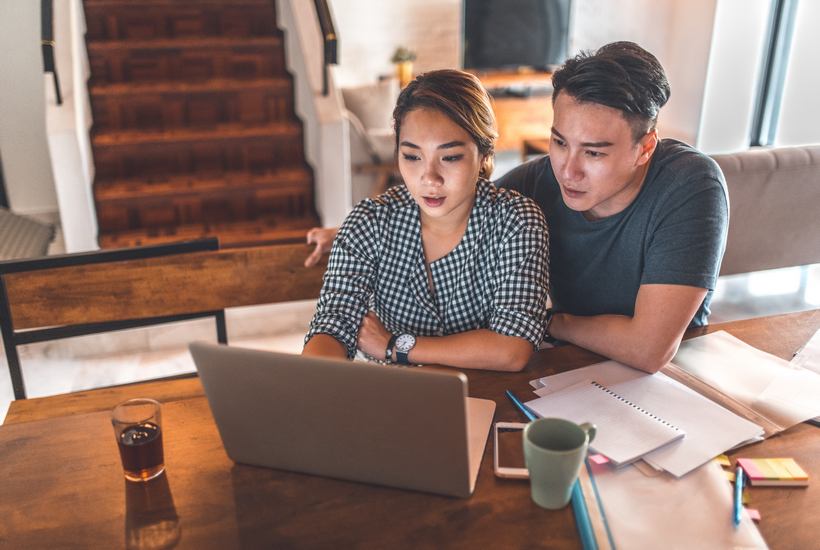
<point>510,34</point>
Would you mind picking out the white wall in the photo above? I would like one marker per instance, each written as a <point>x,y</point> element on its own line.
<point>326,130</point>
<point>23,144</point>
<point>68,126</point>
<point>800,117</point>
<point>370,31</point>
<point>677,33</point>
<point>735,64</point>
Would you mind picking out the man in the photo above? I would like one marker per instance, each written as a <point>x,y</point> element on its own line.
<point>637,224</point>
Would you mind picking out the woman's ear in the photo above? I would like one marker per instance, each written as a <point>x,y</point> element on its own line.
<point>487,165</point>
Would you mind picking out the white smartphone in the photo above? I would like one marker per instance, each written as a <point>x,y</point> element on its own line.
<point>508,450</point>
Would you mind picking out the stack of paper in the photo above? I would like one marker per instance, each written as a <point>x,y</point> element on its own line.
<point>710,429</point>
<point>784,393</point>
<point>625,431</point>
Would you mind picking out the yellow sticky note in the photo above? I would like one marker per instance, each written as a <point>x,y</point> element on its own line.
<point>745,500</point>
<point>723,460</point>
<point>729,475</point>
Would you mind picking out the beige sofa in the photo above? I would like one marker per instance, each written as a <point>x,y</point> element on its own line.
<point>774,208</point>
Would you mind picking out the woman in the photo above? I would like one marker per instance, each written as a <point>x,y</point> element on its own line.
<point>445,269</point>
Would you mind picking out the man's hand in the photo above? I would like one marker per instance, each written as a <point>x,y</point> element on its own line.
<point>322,237</point>
<point>373,337</point>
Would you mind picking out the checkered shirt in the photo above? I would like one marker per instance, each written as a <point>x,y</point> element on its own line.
<point>496,278</point>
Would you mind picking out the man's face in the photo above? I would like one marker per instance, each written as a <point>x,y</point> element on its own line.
<point>596,161</point>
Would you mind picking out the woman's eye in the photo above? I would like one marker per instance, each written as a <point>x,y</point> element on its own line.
<point>408,156</point>
<point>453,158</point>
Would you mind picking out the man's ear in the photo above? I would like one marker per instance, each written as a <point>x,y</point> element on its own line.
<point>647,145</point>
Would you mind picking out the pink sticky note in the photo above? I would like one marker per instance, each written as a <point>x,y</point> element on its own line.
<point>598,459</point>
<point>753,513</point>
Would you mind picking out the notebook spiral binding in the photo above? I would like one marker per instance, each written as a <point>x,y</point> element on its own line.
<point>634,406</point>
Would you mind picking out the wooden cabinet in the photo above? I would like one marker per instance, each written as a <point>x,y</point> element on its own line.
<point>523,106</point>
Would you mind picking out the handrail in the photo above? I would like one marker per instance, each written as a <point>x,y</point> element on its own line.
<point>47,41</point>
<point>329,38</point>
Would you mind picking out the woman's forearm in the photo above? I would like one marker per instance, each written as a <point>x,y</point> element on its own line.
<point>324,345</point>
<point>475,349</point>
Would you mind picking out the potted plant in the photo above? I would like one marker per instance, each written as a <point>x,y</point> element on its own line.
<point>403,58</point>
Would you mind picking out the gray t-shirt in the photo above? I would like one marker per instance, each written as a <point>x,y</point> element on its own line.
<point>674,232</point>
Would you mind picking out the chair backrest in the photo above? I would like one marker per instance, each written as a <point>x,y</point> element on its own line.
<point>77,294</point>
<point>774,195</point>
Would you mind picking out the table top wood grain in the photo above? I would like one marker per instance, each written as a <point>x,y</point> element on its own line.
<point>62,480</point>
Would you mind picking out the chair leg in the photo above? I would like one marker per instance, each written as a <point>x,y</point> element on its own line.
<point>221,327</point>
<point>15,372</point>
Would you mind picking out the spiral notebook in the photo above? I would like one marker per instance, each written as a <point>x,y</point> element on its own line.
<point>625,431</point>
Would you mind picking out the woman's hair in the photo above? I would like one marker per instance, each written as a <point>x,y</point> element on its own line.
<point>461,97</point>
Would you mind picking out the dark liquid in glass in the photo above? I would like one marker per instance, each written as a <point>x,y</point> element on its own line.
<point>141,451</point>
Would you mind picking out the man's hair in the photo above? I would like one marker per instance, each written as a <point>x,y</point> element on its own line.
<point>621,75</point>
<point>461,97</point>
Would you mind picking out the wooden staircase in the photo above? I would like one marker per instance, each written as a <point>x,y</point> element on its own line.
<point>194,132</point>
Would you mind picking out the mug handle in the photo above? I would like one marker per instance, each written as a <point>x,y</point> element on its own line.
<point>590,430</point>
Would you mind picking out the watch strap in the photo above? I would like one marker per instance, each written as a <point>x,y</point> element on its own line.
<point>388,353</point>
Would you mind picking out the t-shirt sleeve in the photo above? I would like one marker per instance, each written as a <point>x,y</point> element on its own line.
<point>349,279</point>
<point>689,237</point>
<point>520,299</point>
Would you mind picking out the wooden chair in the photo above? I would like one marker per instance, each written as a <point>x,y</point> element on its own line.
<point>78,294</point>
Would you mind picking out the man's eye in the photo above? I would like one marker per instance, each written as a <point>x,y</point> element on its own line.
<point>453,158</point>
<point>558,141</point>
<point>595,154</point>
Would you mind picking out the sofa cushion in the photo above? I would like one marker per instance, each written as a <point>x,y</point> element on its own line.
<point>774,198</point>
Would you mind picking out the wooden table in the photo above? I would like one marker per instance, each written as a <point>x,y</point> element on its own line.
<point>62,482</point>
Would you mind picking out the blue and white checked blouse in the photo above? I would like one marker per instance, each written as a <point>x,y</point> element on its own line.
<point>497,277</point>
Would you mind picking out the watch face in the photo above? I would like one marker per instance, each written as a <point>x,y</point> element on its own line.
<point>405,342</point>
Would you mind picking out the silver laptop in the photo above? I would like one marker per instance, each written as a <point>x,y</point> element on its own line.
<point>411,428</point>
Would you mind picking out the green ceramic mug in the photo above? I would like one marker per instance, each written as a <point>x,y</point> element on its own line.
<point>554,450</point>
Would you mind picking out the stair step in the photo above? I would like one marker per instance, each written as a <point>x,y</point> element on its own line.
<point>246,233</point>
<point>186,59</point>
<point>279,84</point>
<point>166,105</point>
<point>121,207</point>
<point>222,132</point>
<point>283,181</point>
<point>221,150</point>
<point>119,20</point>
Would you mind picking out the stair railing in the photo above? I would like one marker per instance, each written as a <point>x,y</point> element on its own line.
<point>47,40</point>
<point>329,39</point>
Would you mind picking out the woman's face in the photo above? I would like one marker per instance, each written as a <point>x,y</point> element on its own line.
<point>439,163</point>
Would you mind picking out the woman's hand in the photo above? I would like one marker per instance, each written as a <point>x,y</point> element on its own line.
<point>322,237</point>
<point>373,337</point>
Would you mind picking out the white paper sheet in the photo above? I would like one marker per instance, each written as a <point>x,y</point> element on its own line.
<point>624,432</point>
<point>809,357</point>
<point>710,428</point>
<point>663,512</point>
<point>785,393</point>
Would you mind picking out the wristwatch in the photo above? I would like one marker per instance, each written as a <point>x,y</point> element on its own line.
<point>404,343</point>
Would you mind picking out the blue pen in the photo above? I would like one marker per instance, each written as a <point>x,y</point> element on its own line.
<point>521,406</point>
<point>738,504</point>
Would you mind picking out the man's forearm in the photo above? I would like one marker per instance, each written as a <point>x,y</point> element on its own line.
<point>617,337</point>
